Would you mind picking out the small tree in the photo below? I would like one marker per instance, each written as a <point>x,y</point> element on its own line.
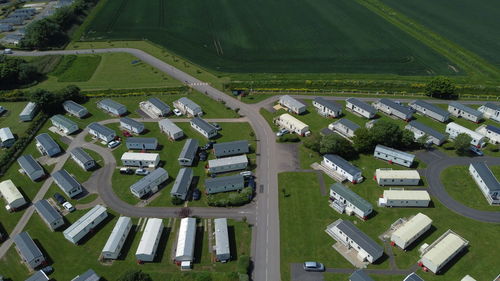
<point>462,144</point>
<point>363,141</point>
<point>177,201</point>
<point>313,142</point>
<point>135,275</point>
<point>440,87</point>
<point>336,144</point>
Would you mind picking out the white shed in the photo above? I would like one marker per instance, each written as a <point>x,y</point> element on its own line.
<point>118,236</point>
<point>137,159</point>
<point>389,176</point>
<point>404,198</point>
<point>185,241</point>
<point>445,248</point>
<point>149,241</point>
<point>411,230</point>
<point>12,196</point>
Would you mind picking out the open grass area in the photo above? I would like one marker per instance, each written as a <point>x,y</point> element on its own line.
<point>306,208</point>
<point>462,187</point>
<point>74,68</point>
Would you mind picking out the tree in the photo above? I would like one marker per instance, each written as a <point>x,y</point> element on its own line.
<point>462,144</point>
<point>440,87</point>
<point>408,140</point>
<point>135,275</point>
<point>42,34</point>
<point>387,133</point>
<point>336,144</point>
<point>363,141</point>
<point>313,142</point>
<point>177,201</point>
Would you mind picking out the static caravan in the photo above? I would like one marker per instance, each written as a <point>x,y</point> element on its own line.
<point>146,251</point>
<point>453,130</point>
<point>82,158</point>
<point>11,195</point>
<point>414,277</point>
<point>75,109</point>
<point>118,236</point>
<point>47,145</point>
<point>404,198</point>
<point>188,152</point>
<point>180,189</point>
<point>184,253</point>
<point>345,200</point>
<point>490,111</point>
<point>7,139</point>
<point>138,143</point>
<point>420,130</point>
<point>150,183</point>
<point>222,251</point>
<point>430,110</point>
<point>67,183</point>
<point>486,181</point>
<point>360,275</point>
<point>232,148</point>
<point>203,127</point>
<point>360,107</point>
<point>327,108</point>
<point>227,164</point>
<point>155,108</point>
<point>87,223</point>
<point>410,230</point>
<point>346,233</point>
<point>64,125</point>
<point>292,104</point>
<point>88,275</point>
<point>393,155</point>
<point>397,177</point>
<point>344,127</point>
<point>101,132</point>
<point>29,112</point>
<point>435,256</point>
<point>112,107</point>
<point>132,125</point>
<point>31,167</point>
<point>342,167</point>
<point>294,125</point>
<point>28,250</point>
<point>38,276</point>
<point>491,132</point>
<point>224,184</point>
<point>136,159</point>
<point>188,107</point>
<point>460,110</point>
<point>393,108</point>
<point>49,214</point>
<point>170,129</point>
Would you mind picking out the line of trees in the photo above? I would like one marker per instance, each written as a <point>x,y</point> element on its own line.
<point>15,72</point>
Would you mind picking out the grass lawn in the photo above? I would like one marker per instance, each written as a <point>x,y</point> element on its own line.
<point>462,187</point>
<point>305,199</point>
<point>10,119</point>
<point>75,68</point>
<point>78,172</point>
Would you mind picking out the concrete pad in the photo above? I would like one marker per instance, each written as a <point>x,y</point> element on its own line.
<point>350,254</point>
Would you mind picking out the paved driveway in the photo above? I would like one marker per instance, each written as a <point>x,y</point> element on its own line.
<point>298,273</point>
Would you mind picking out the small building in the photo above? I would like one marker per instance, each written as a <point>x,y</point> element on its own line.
<point>360,275</point>
<point>222,251</point>
<point>28,250</point>
<point>112,107</point>
<point>149,184</point>
<point>182,182</point>
<point>101,132</point>
<point>292,104</point>
<point>146,251</point>
<point>490,111</point>
<point>397,177</point>
<point>136,159</point>
<point>203,127</point>
<point>118,236</point>
<point>188,152</point>
<point>419,130</point>
<point>393,155</point>
<point>413,277</point>
<point>7,139</point>
<point>360,107</point>
<point>440,252</point>
<point>224,184</point>
<point>327,108</point>
<point>227,164</point>
<point>231,148</point>
<point>11,195</point>
<point>47,145</point>
<point>38,276</point>
<point>460,110</point>
<point>155,108</point>
<point>139,143</point>
<point>294,125</point>
<point>393,108</point>
<point>184,253</point>
<point>64,125</point>
<point>404,198</point>
<point>486,181</point>
<point>453,130</point>
<point>88,275</point>
<point>75,109</point>
<point>170,129</point>
<point>188,107</point>
<point>82,158</point>
<point>29,112</point>
<point>132,125</point>
<point>346,233</point>
<point>342,167</point>
<point>469,278</point>
<point>491,132</point>
<point>344,127</point>
<point>345,200</point>
<point>410,230</point>
<point>68,184</point>
<point>85,224</point>
<point>430,110</point>
<point>31,167</point>
<point>49,214</point>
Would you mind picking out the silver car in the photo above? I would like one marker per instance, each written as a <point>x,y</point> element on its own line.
<point>313,266</point>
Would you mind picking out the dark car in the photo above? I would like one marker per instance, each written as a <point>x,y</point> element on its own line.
<point>203,156</point>
<point>59,198</point>
<point>196,194</point>
<point>217,126</point>
<point>48,269</point>
<point>126,171</point>
<point>209,145</point>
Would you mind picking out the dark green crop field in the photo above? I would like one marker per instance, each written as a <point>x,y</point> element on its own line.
<point>294,36</point>
<point>475,25</point>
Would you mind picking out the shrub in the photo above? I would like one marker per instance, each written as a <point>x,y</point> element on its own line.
<point>177,201</point>
<point>243,264</point>
<point>230,198</point>
<point>289,138</point>
<point>135,275</point>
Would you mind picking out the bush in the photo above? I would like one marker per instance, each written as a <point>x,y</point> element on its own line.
<point>231,198</point>
<point>176,201</point>
<point>135,275</point>
<point>243,264</point>
<point>243,277</point>
<point>289,138</point>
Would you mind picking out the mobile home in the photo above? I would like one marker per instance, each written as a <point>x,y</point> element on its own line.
<point>490,111</point>
<point>203,127</point>
<point>393,108</point>
<point>292,104</point>
<point>232,148</point>
<point>420,130</point>
<point>393,155</point>
<point>148,245</point>
<point>222,251</point>
<point>49,214</point>
<point>404,198</point>
<point>344,127</point>
<point>345,200</point>
<point>31,167</point>
<point>327,108</point>
<point>112,107</point>
<point>132,125</point>
<point>188,107</point>
<point>188,152</point>
<point>292,124</point>
<point>138,143</point>
<point>435,256</point>
<point>82,158</point>
<point>224,184</point>
<point>75,109</point>
<point>491,132</point>
<point>136,159</point>
<point>29,112</point>
<point>67,183</point>
<point>170,129</point>
<point>86,224</point>
<point>47,145</point>
<point>360,107</point>
<point>64,125</point>
<point>180,189</point>
<point>460,110</point>
<point>7,139</point>
<point>118,236</point>
<point>149,184</point>
<point>410,230</point>
<point>28,250</point>
<point>155,108</point>
<point>184,253</point>
<point>101,132</point>
<point>486,181</point>
<point>453,130</point>
<point>342,167</point>
<point>396,177</point>
<point>430,110</point>
<point>227,164</point>
<point>11,195</point>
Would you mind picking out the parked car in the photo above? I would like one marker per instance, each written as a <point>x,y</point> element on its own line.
<point>217,126</point>
<point>114,143</point>
<point>251,183</point>
<point>203,156</point>
<point>209,145</point>
<point>177,112</point>
<point>127,134</point>
<point>246,173</point>
<point>141,172</point>
<point>126,171</point>
<point>59,198</point>
<point>3,236</point>
<point>196,194</point>
<point>476,150</point>
<point>282,132</point>
<point>313,266</point>
<point>48,269</point>
<point>68,206</point>
<point>7,51</point>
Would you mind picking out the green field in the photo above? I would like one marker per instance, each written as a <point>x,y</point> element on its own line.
<point>240,36</point>
<point>74,68</point>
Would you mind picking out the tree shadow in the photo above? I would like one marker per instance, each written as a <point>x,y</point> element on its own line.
<point>232,242</point>
<point>48,259</point>
<point>198,244</point>
<point>128,242</point>
<point>382,259</point>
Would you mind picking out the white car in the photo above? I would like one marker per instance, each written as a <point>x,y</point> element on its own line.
<point>177,112</point>
<point>282,132</point>
<point>68,206</point>
<point>246,173</point>
<point>7,51</point>
<point>113,144</point>
<point>141,172</point>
